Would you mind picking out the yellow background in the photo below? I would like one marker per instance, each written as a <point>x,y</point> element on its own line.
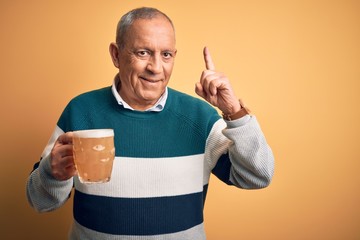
<point>295,63</point>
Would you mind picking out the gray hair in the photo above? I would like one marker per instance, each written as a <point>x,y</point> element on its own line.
<point>130,17</point>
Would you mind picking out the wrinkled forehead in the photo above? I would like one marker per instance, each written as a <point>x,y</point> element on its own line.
<point>143,15</point>
<point>155,29</point>
<point>157,22</point>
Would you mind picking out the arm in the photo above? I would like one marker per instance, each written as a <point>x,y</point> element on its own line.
<point>47,187</point>
<point>236,151</point>
<point>238,154</point>
<point>251,157</point>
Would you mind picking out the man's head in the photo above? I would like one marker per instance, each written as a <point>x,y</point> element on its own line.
<point>128,19</point>
<point>144,53</point>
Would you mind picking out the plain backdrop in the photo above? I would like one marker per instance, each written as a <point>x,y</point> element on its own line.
<point>295,63</point>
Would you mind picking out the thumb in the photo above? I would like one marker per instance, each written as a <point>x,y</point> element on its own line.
<point>65,138</point>
<point>199,90</point>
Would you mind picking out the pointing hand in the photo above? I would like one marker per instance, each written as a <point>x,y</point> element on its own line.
<point>215,87</point>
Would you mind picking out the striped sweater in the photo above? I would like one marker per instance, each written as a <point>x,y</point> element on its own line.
<point>161,170</point>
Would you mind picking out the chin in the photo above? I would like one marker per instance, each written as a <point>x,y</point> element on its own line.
<point>151,99</point>
<point>152,95</point>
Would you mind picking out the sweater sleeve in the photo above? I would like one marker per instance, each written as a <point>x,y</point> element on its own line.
<point>238,154</point>
<point>44,192</point>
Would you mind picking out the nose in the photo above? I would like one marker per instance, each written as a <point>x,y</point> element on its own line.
<point>155,64</point>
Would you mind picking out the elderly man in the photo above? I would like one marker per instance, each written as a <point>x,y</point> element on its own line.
<point>167,143</point>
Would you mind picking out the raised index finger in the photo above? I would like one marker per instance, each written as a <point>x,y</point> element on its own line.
<point>208,60</point>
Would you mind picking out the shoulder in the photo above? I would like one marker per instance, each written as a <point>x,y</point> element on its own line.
<point>182,100</point>
<point>92,96</point>
<point>86,108</point>
<point>191,109</point>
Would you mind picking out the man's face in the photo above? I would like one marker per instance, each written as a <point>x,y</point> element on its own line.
<point>146,61</point>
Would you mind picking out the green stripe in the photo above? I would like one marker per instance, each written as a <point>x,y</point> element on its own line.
<point>181,129</point>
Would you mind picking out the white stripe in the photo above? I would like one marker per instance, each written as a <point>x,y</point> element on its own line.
<point>57,132</point>
<point>216,145</point>
<point>150,177</point>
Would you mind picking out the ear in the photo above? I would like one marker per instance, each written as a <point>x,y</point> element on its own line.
<point>114,53</point>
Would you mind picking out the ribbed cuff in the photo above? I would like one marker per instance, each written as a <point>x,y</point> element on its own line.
<point>238,122</point>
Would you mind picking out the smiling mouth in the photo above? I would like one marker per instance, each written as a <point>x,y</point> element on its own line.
<point>150,80</point>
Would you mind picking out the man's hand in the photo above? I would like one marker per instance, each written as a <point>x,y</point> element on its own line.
<point>215,88</point>
<point>62,160</point>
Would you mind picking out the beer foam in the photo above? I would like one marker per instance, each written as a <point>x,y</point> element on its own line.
<point>94,133</point>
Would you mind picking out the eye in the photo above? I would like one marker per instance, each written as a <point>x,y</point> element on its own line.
<point>143,53</point>
<point>167,55</point>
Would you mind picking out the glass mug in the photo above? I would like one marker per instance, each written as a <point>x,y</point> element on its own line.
<point>94,154</point>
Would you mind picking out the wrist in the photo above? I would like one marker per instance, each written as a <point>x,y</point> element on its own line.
<point>241,112</point>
